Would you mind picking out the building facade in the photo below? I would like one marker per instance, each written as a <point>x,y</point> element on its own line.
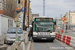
<point>35,15</point>
<point>71,18</point>
<point>2,4</point>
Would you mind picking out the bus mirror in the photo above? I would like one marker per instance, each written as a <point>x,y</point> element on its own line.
<point>55,23</point>
<point>32,23</point>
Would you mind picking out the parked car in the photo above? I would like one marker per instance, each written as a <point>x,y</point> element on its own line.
<point>11,35</point>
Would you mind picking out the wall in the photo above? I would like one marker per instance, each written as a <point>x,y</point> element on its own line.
<point>72,18</point>
<point>10,23</point>
<point>14,24</point>
<point>4,24</point>
<point>2,4</point>
<point>0,25</point>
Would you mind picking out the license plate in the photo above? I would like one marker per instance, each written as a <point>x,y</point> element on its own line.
<point>43,33</point>
<point>11,40</point>
<point>43,38</point>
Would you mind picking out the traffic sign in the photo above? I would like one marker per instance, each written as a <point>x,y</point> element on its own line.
<point>19,18</point>
<point>22,9</point>
<point>64,19</point>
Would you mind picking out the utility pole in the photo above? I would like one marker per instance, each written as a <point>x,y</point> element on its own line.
<point>24,14</point>
<point>61,20</point>
<point>69,20</point>
<point>43,7</point>
<point>16,22</point>
<point>28,11</point>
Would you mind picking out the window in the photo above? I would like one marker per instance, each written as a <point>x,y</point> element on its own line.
<point>18,1</point>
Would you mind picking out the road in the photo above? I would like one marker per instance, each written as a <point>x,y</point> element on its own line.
<point>46,45</point>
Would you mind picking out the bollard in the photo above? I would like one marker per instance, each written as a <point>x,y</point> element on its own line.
<point>15,45</point>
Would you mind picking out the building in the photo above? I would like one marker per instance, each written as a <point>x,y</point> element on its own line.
<point>71,19</point>
<point>2,4</point>
<point>5,23</point>
<point>35,15</point>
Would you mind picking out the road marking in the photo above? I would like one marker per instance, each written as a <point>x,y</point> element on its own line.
<point>64,44</point>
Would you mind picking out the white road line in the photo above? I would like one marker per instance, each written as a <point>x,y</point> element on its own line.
<point>63,44</point>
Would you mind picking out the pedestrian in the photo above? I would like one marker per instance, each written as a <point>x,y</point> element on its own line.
<point>30,33</point>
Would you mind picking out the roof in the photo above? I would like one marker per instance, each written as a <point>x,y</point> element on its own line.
<point>42,17</point>
<point>73,12</point>
<point>34,15</point>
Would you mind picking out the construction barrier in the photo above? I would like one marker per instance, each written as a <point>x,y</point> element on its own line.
<point>17,45</point>
<point>26,37</point>
<point>68,40</point>
<point>56,35</point>
<point>64,38</point>
<point>22,46</point>
<point>59,37</point>
<point>72,42</point>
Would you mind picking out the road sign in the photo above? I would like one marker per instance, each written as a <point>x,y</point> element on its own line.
<point>22,9</point>
<point>19,18</point>
<point>64,19</point>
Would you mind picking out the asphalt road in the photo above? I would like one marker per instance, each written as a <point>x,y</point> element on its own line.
<point>47,45</point>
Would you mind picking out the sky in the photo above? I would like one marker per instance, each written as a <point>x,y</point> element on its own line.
<point>53,8</point>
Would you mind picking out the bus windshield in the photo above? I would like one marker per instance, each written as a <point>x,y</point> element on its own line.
<point>43,26</point>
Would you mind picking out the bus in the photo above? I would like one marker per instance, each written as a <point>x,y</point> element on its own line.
<point>43,29</point>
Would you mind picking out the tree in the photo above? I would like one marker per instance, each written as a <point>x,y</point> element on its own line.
<point>10,8</point>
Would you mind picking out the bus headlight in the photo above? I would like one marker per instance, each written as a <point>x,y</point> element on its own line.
<point>53,36</point>
<point>35,33</point>
<point>53,33</point>
<point>7,37</point>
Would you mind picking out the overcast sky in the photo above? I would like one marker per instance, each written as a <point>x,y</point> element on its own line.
<point>54,8</point>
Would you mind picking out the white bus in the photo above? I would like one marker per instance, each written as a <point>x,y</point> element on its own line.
<point>43,29</point>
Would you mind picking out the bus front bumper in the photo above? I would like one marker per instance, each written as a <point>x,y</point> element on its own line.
<point>43,37</point>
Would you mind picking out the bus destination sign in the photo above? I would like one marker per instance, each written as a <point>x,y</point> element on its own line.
<point>43,19</point>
